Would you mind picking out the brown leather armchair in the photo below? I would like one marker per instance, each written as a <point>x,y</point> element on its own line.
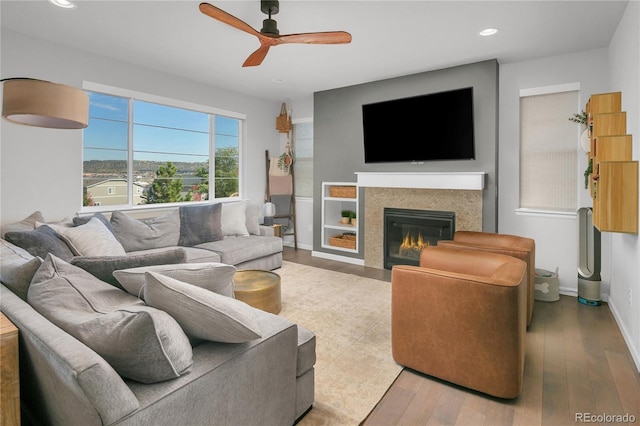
<point>461,316</point>
<point>510,245</point>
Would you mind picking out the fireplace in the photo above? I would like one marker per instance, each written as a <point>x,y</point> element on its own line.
<point>408,231</point>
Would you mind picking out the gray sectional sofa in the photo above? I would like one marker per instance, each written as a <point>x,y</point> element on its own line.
<point>173,354</point>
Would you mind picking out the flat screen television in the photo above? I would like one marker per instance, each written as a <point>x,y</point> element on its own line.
<point>431,127</point>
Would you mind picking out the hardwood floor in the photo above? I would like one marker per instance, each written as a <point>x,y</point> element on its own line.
<point>577,364</point>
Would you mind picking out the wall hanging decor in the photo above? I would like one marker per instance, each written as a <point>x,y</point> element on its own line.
<point>283,121</point>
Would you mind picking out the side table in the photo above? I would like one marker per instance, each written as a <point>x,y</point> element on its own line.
<point>9,374</point>
<point>260,289</point>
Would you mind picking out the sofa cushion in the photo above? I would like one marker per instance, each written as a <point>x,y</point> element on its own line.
<point>91,239</point>
<point>26,224</point>
<point>253,213</point>
<point>235,250</point>
<point>194,255</point>
<point>140,342</point>
<point>103,267</point>
<point>40,242</point>
<point>200,224</point>
<point>17,267</point>
<point>234,218</point>
<point>215,277</point>
<point>306,351</point>
<point>201,313</point>
<point>156,232</point>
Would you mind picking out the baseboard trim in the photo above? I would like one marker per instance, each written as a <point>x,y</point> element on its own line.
<point>345,259</point>
<point>635,355</point>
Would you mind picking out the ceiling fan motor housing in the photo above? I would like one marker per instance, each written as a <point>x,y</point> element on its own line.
<point>270,7</point>
<point>270,27</point>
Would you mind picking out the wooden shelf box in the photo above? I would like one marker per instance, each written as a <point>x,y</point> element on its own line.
<point>616,199</point>
<point>614,179</point>
<point>604,102</point>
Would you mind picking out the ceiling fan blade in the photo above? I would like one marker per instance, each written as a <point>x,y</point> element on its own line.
<point>329,37</point>
<point>227,18</point>
<point>257,57</point>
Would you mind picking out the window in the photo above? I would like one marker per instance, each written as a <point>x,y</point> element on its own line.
<point>303,150</point>
<point>548,149</point>
<point>140,149</point>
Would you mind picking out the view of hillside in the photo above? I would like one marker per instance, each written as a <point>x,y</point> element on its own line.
<point>118,168</point>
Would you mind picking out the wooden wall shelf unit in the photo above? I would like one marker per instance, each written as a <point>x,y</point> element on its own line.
<point>614,180</point>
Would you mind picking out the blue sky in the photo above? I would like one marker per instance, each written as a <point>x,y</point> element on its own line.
<point>160,133</point>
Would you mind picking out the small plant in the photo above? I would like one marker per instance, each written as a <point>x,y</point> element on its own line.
<point>352,214</point>
<point>579,118</point>
<point>587,173</point>
<point>346,217</point>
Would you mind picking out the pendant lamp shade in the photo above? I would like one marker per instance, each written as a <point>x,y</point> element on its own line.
<point>44,104</point>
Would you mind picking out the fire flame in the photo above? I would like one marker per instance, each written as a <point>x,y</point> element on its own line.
<point>410,242</point>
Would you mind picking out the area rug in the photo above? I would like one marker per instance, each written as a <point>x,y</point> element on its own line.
<point>351,317</point>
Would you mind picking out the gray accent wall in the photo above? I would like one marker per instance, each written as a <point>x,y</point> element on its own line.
<point>338,135</point>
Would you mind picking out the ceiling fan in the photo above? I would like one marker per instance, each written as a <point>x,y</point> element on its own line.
<point>269,34</point>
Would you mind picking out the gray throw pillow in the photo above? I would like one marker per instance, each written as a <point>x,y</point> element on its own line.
<point>40,242</point>
<point>234,218</point>
<point>17,267</point>
<point>200,224</point>
<point>26,224</point>
<point>141,343</point>
<point>91,239</point>
<point>216,277</point>
<point>102,267</point>
<point>81,220</point>
<point>202,314</point>
<point>156,232</point>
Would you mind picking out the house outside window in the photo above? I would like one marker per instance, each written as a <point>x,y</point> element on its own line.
<point>160,151</point>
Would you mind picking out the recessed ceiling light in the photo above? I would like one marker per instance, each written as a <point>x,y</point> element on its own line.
<point>488,32</point>
<point>63,3</point>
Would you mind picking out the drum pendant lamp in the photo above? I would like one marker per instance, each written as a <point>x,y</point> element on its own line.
<point>44,104</point>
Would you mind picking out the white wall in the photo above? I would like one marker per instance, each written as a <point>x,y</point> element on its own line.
<point>624,71</point>
<point>41,169</point>
<point>616,68</point>
<point>556,238</point>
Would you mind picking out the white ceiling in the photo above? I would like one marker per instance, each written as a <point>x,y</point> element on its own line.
<point>390,38</point>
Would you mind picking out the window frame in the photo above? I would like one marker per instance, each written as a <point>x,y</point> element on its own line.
<point>176,103</point>
<point>307,120</point>
<point>541,212</point>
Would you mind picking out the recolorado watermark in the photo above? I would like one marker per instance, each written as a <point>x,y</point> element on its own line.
<point>604,418</point>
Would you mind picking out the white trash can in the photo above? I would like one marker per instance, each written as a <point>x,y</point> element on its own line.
<point>547,286</point>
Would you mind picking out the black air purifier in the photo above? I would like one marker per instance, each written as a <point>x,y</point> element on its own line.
<point>588,259</point>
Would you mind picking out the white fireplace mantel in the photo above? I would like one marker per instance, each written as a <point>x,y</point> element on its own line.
<point>432,180</point>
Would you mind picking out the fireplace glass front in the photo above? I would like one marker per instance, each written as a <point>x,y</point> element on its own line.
<point>408,231</point>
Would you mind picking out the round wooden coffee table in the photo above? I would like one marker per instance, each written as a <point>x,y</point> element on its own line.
<point>260,289</point>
